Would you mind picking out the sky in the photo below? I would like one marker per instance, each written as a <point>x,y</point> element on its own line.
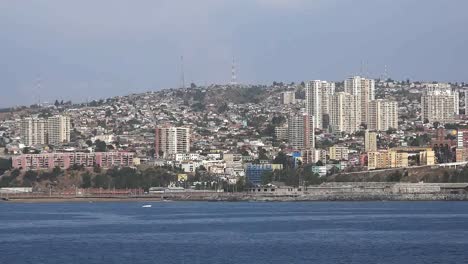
<point>88,49</point>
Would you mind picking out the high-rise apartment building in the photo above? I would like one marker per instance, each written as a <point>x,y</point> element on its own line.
<point>288,97</point>
<point>301,134</point>
<point>370,141</point>
<point>171,140</point>
<point>466,102</point>
<point>33,131</point>
<point>281,133</point>
<point>382,115</point>
<point>365,90</point>
<point>344,112</point>
<point>439,105</point>
<point>58,129</point>
<point>338,153</point>
<point>318,94</point>
<point>387,159</point>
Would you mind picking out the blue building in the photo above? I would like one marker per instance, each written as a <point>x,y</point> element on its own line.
<point>254,172</point>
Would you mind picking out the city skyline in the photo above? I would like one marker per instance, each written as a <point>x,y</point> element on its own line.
<point>50,52</point>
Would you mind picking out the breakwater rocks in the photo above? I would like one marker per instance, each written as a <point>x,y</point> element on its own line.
<point>363,191</point>
<point>355,191</point>
<point>330,197</point>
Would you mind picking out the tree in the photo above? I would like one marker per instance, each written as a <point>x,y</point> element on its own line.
<point>101,146</point>
<point>102,181</point>
<point>86,180</point>
<point>267,177</point>
<point>281,158</point>
<point>5,164</point>
<point>311,178</point>
<point>333,170</point>
<point>97,168</point>
<point>56,103</point>
<point>223,108</point>
<point>56,171</point>
<point>391,131</point>
<point>262,154</point>
<point>15,173</point>
<point>240,184</point>
<point>395,177</point>
<point>244,152</point>
<point>30,177</point>
<point>193,85</point>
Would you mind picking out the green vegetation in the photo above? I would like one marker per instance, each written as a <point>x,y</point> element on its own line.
<point>419,140</point>
<point>101,146</point>
<point>118,178</point>
<point>449,176</point>
<point>292,177</point>
<point>5,164</point>
<point>283,159</point>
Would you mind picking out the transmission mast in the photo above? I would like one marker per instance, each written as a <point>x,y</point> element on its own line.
<point>182,72</point>
<point>233,72</point>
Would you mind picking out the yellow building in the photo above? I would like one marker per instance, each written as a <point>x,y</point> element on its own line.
<point>387,159</point>
<point>370,141</point>
<point>276,166</point>
<point>427,157</point>
<point>182,177</point>
<point>136,161</point>
<point>338,153</point>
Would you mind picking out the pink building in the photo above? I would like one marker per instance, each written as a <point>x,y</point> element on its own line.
<point>66,160</point>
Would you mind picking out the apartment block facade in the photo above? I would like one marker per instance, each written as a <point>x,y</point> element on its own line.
<point>382,115</point>
<point>171,140</point>
<point>66,160</point>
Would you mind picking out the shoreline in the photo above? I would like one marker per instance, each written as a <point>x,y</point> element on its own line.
<point>243,198</point>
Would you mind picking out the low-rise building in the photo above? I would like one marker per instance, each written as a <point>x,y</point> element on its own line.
<point>66,160</point>
<point>387,159</point>
<point>338,153</point>
<point>254,172</point>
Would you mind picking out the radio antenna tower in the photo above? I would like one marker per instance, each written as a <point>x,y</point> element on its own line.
<point>386,74</point>
<point>38,90</point>
<point>233,72</point>
<point>182,73</point>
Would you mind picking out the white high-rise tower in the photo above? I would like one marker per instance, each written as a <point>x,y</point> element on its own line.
<point>318,94</point>
<point>365,90</point>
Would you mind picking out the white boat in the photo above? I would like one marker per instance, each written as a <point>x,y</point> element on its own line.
<point>147,206</point>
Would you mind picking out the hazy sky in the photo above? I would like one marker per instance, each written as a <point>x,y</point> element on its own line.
<point>101,48</point>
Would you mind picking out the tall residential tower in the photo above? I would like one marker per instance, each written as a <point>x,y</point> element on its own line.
<point>318,94</point>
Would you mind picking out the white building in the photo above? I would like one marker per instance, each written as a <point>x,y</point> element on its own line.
<point>288,97</point>
<point>338,153</point>
<point>58,129</point>
<point>439,105</point>
<point>382,115</point>
<point>281,133</point>
<point>466,102</point>
<point>318,95</point>
<point>172,140</point>
<point>345,115</point>
<point>370,141</point>
<point>365,90</point>
<point>33,131</point>
<point>301,134</point>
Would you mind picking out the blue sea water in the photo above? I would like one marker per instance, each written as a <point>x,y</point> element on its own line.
<point>199,232</point>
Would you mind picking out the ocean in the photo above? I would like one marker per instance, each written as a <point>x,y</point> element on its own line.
<point>243,232</point>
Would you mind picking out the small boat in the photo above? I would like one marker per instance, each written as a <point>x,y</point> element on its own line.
<point>147,206</point>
